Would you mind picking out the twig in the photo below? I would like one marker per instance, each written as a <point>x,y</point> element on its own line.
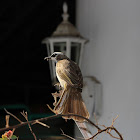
<point>13,116</point>
<point>95,118</point>
<point>109,131</point>
<point>25,115</point>
<point>105,130</point>
<point>7,117</point>
<point>113,122</point>
<point>66,135</point>
<point>33,121</point>
<point>41,123</point>
<point>99,129</point>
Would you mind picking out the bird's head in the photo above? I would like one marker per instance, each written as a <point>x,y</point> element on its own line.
<point>56,56</point>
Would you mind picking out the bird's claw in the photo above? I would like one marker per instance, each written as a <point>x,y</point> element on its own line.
<point>55,95</point>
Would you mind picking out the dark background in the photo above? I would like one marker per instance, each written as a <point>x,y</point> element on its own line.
<point>25,77</point>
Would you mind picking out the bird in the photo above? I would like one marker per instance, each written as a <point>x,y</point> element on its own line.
<point>71,81</point>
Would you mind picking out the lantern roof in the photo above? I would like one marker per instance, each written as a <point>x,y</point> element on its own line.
<point>65,28</point>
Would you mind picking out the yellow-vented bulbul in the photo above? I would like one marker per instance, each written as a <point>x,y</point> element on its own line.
<point>71,81</point>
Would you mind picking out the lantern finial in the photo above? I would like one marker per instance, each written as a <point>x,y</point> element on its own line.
<point>65,7</point>
<point>65,15</point>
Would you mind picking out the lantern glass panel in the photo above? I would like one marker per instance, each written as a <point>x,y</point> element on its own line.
<point>75,51</point>
<point>60,47</point>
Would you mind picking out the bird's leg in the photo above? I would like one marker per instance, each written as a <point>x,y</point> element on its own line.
<point>55,95</point>
<point>55,98</point>
<point>59,94</point>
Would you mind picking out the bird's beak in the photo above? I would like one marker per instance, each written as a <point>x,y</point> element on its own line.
<point>47,58</point>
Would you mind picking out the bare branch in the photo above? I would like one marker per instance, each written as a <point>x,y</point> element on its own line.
<point>89,121</point>
<point>95,119</point>
<point>25,115</point>
<point>107,129</point>
<point>30,122</point>
<point>41,123</point>
<point>13,116</point>
<point>7,117</point>
<point>66,135</point>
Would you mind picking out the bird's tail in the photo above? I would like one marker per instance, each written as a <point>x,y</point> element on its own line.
<point>71,102</point>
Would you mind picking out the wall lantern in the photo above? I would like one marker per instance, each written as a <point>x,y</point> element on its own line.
<point>66,39</point>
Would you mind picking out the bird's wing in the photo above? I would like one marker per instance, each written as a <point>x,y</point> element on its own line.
<point>71,73</point>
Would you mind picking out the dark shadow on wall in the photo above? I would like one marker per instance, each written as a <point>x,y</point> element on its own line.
<point>25,76</point>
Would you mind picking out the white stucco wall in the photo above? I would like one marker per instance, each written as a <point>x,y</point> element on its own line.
<point>113,57</point>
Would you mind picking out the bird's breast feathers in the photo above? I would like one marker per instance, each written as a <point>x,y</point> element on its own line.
<point>60,67</point>
<point>62,82</point>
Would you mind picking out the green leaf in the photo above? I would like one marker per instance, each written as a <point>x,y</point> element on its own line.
<point>14,137</point>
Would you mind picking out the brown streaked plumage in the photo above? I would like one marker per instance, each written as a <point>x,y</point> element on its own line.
<point>71,81</point>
